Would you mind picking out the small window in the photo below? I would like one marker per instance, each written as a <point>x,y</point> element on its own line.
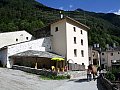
<point>82,53</point>
<point>81,41</point>
<point>74,29</point>
<point>103,59</point>
<point>89,58</point>
<point>83,64</point>
<point>56,29</point>
<point>27,38</point>
<point>50,48</point>
<point>81,32</point>
<point>118,52</point>
<point>111,54</point>
<point>75,52</point>
<point>102,53</point>
<point>16,39</point>
<point>74,40</point>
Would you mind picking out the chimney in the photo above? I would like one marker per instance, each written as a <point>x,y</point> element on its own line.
<point>114,45</point>
<point>95,46</point>
<point>61,15</point>
<point>98,45</point>
<point>107,46</point>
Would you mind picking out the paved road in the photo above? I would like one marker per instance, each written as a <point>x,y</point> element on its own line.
<point>18,80</point>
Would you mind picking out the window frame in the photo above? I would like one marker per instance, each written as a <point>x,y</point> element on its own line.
<point>75,40</point>
<point>56,29</point>
<point>74,28</point>
<point>75,52</point>
<point>81,41</point>
<point>82,53</point>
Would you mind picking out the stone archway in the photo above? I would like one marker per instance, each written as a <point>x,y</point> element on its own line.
<point>68,62</point>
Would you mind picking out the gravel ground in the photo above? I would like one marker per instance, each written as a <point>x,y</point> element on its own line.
<point>19,80</point>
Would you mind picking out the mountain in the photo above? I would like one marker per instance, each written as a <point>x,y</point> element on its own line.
<point>30,15</point>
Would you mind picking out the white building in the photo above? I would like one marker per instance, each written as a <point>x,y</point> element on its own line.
<point>69,38</point>
<point>9,38</point>
<point>43,44</point>
<point>110,57</point>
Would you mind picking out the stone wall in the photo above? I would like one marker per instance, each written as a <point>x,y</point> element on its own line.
<point>106,83</point>
<point>34,71</point>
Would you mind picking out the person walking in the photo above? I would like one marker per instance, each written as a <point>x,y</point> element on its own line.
<point>89,76</point>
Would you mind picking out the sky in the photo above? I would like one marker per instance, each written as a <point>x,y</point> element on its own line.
<point>104,6</point>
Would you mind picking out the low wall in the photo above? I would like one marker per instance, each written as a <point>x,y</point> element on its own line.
<point>76,67</point>
<point>34,71</point>
<point>106,83</point>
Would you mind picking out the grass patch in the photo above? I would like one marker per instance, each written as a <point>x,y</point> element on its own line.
<point>61,77</point>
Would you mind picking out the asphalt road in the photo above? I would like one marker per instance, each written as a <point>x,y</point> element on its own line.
<point>18,80</point>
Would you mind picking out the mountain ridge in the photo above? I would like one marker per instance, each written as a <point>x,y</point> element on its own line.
<point>30,15</point>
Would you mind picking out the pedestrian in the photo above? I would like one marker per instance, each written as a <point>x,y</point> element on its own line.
<point>89,76</point>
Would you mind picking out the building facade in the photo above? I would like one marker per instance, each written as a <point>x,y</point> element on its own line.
<point>9,38</point>
<point>43,44</point>
<point>69,38</point>
<point>94,56</point>
<point>110,57</point>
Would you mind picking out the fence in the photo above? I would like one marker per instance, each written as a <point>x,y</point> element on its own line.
<point>76,67</point>
<point>34,71</point>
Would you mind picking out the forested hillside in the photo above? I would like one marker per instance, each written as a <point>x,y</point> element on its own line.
<point>30,15</point>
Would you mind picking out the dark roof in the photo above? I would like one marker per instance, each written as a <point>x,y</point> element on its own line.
<point>45,31</point>
<point>32,53</point>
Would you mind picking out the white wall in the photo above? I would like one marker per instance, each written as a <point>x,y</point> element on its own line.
<point>71,46</point>
<point>3,57</point>
<point>9,38</point>
<point>59,37</point>
<point>42,44</point>
<point>63,41</point>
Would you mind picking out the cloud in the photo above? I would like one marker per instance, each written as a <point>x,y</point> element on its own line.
<point>70,6</point>
<point>111,11</point>
<point>118,12</point>
<point>61,8</point>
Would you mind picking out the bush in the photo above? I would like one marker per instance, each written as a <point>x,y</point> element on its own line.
<point>110,76</point>
<point>51,77</point>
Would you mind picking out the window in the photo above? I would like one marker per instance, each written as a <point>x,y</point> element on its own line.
<point>74,40</point>
<point>83,64</point>
<point>102,53</point>
<point>89,58</point>
<point>81,32</point>
<point>103,59</point>
<point>16,39</point>
<point>81,41</point>
<point>111,54</point>
<point>74,29</point>
<point>118,52</point>
<point>75,52</point>
<point>56,29</point>
<point>82,53</point>
<point>27,38</point>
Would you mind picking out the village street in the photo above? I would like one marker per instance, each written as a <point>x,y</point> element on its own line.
<point>18,80</point>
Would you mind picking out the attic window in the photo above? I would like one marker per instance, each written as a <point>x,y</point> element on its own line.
<point>74,29</point>
<point>56,29</point>
<point>16,39</point>
<point>21,34</point>
<point>27,38</point>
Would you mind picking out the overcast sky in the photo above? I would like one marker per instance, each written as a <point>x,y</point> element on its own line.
<point>105,6</point>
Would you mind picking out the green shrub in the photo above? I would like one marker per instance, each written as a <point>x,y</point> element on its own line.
<point>50,77</point>
<point>110,76</point>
